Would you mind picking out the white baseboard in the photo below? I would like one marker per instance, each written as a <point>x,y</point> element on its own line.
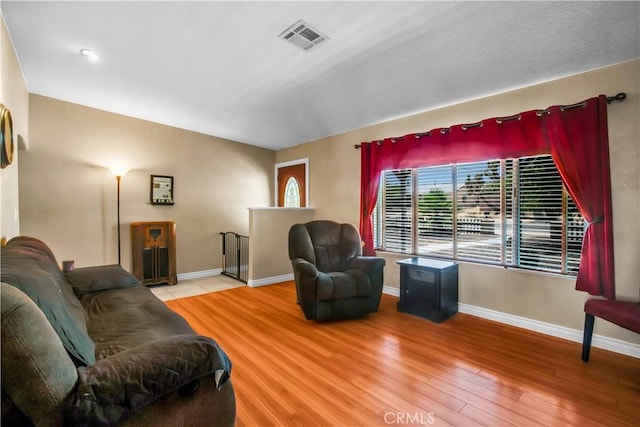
<point>199,274</point>
<point>599,341</point>
<point>389,290</point>
<point>270,280</point>
<point>252,283</point>
<point>575,335</point>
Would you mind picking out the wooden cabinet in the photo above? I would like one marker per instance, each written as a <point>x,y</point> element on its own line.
<point>153,252</point>
<point>428,288</point>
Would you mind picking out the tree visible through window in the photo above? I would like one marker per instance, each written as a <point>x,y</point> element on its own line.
<point>292,193</point>
<point>513,212</point>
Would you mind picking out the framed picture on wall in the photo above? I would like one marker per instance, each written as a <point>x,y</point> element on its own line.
<point>161,190</point>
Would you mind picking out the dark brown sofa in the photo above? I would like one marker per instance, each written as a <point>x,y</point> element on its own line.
<point>93,347</point>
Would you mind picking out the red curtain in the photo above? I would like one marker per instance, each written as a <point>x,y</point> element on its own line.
<point>577,139</point>
<point>579,144</point>
<point>369,183</point>
<point>494,138</point>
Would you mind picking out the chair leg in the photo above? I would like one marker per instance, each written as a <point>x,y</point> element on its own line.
<point>586,339</point>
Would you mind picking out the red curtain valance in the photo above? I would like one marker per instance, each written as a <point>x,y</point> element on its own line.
<point>489,139</point>
<point>577,138</point>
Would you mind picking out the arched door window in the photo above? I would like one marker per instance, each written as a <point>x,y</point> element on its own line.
<point>292,193</point>
<point>291,184</point>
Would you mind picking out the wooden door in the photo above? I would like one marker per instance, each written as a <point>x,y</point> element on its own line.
<point>292,179</point>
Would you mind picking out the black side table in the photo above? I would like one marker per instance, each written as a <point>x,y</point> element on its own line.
<point>428,288</point>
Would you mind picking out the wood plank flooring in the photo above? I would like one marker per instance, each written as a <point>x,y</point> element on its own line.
<point>392,368</point>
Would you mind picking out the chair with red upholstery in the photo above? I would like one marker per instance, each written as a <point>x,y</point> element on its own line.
<point>622,313</point>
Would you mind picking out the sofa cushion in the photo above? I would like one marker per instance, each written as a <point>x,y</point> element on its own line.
<point>343,286</point>
<point>33,272</point>
<point>37,372</point>
<point>37,245</point>
<point>40,250</point>
<point>334,244</point>
<point>121,319</point>
<point>337,285</point>
<point>326,244</point>
<point>100,278</point>
<point>122,384</point>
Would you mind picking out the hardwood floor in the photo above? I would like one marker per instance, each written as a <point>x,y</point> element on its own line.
<point>392,368</point>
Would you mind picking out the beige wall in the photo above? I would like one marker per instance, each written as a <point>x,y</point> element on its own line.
<point>68,197</point>
<point>14,95</point>
<point>335,187</point>
<point>269,241</point>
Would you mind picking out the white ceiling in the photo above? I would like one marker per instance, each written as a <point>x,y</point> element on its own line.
<point>219,68</point>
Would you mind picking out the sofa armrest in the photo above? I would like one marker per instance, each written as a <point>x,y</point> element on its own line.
<point>100,278</point>
<point>119,385</point>
<point>304,268</point>
<point>368,264</point>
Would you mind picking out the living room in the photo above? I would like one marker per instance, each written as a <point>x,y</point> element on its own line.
<point>60,190</point>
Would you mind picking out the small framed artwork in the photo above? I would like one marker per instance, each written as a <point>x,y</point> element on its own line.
<point>161,190</point>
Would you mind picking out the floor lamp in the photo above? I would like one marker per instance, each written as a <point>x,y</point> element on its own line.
<point>119,173</point>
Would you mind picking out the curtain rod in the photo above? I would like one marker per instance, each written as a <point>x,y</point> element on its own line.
<point>619,97</point>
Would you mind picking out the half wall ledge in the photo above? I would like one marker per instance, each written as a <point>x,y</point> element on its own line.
<point>269,242</point>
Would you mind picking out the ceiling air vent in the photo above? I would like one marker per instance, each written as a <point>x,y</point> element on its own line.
<point>303,36</point>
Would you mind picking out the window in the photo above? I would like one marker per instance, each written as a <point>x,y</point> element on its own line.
<point>399,210</point>
<point>435,210</point>
<point>512,212</point>
<point>292,193</point>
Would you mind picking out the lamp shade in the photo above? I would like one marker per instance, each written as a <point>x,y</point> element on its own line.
<point>118,171</point>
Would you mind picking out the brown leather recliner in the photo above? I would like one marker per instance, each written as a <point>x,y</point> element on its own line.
<point>333,279</point>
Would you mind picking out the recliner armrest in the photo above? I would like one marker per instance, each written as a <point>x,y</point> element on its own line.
<point>367,263</point>
<point>121,384</point>
<point>304,267</point>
